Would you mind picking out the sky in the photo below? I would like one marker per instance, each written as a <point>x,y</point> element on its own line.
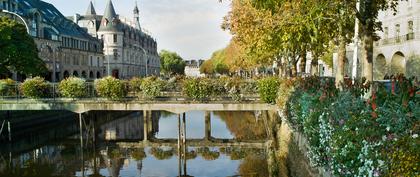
<point>189,27</point>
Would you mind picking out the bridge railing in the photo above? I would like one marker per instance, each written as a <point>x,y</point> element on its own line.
<point>14,92</point>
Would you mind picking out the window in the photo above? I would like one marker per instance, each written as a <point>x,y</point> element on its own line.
<point>386,30</point>
<point>397,33</point>
<point>4,5</point>
<point>410,27</point>
<point>115,38</point>
<point>410,34</point>
<point>75,61</point>
<point>91,61</point>
<point>97,61</point>
<point>115,54</point>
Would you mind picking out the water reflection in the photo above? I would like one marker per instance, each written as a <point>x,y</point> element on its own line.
<point>101,154</point>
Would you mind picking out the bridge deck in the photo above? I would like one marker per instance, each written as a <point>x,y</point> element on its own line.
<point>80,106</point>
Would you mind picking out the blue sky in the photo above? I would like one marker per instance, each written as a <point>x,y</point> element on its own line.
<point>189,27</point>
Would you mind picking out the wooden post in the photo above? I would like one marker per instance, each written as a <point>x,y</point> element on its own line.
<point>81,130</point>
<point>185,144</point>
<point>81,143</point>
<point>207,122</point>
<point>179,145</point>
<point>145,126</point>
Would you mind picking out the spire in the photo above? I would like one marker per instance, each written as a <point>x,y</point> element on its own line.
<point>136,10</point>
<point>91,9</point>
<point>110,21</point>
<point>110,11</point>
<point>137,16</point>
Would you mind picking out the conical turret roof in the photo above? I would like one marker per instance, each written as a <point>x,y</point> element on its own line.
<point>91,9</point>
<point>110,21</point>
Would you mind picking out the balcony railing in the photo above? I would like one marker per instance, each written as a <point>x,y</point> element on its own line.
<point>396,40</point>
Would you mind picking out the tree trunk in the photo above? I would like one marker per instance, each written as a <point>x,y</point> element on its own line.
<point>367,52</point>
<point>303,62</point>
<point>339,75</point>
<point>294,69</point>
<point>314,66</point>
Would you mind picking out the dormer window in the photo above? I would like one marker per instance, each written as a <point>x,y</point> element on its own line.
<point>106,22</point>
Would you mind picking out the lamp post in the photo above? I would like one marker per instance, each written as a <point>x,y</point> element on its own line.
<point>17,15</point>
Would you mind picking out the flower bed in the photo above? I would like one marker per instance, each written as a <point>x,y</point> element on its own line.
<point>352,136</point>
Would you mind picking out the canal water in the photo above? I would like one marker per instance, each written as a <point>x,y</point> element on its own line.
<point>112,146</point>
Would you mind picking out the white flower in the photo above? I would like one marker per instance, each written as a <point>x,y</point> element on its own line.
<point>388,128</point>
<point>415,136</point>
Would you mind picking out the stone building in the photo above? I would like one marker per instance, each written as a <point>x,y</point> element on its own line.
<point>397,51</point>
<point>192,68</point>
<point>128,50</point>
<point>67,49</point>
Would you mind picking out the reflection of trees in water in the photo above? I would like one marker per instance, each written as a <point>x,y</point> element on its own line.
<point>32,168</point>
<point>207,154</point>
<point>243,125</point>
<point>253,166</point>
<point>138,154</point>
<point>161,153</point>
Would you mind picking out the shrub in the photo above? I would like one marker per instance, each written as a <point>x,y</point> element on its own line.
<point>173,84</point>
<point>7,87</point>
<point>36,87</point>
<point>111,88</point>
<point>152,87</point>
<point>267,88</point>
<point>135,84</point>
<point>198,88</point>
<point>73,87</point>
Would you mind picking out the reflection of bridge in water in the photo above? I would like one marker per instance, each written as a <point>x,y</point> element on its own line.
<point>88,131</point>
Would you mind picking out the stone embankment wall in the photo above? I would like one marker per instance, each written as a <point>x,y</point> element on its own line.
<point>292,152</point>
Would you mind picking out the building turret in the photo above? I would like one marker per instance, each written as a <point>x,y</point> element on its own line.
<point>110,21</point>
<point>91,10</point>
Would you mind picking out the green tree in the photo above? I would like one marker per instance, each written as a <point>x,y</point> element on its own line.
<point>18,50</point>
<point>171,63</point>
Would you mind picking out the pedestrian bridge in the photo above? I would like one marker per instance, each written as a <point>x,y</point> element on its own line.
<point>174,106</point>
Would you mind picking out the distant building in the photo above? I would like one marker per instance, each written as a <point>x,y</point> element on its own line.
<point>192,68</point>
<point>67,49</point>
<point>128,50</point>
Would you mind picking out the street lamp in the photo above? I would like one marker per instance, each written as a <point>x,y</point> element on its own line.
<point>17,15</point>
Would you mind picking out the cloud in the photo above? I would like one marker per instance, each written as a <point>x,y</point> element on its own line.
<point>189,27</point>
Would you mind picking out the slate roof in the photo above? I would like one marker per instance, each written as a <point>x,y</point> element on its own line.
<point>91,9</point>
<point>52,17</point>
<point>110,21</point>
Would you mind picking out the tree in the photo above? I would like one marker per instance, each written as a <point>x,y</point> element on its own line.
<point>171,63</point>
<point>18,50</point>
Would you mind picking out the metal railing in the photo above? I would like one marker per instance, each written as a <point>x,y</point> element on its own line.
<point>52,93</point>
<point>396,40</point>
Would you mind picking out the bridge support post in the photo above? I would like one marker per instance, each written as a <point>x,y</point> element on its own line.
<point>207,122</point>
<point>81,130</point>
<point>179,145</point>
<point>185,144</point>
<point>145,126</point>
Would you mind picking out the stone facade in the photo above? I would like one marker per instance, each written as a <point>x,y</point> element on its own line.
<point>128,50</point>
<point>65,47</point>
<point>397,50</point>
<point>192,68</point>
